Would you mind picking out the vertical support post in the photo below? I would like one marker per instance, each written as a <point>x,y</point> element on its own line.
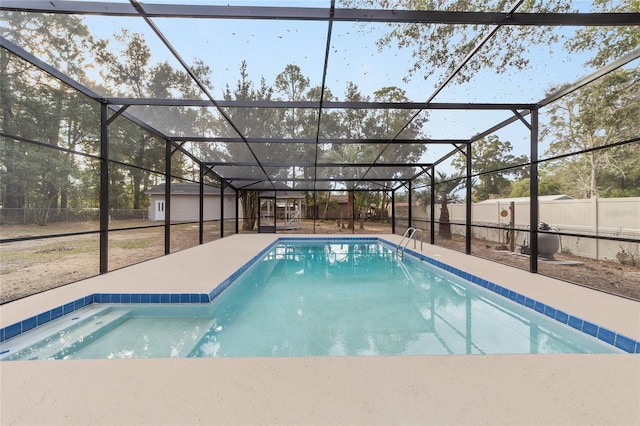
<point>353,211</point>
<point>237,211</point>
<point>533,190</point>
<point>409,206</point>
<point>167,197</point>
<point>259,214</point>
<point>596,222</point>
<point>393,211</point>
<point>315,210</point>
<point>432,224</point>
<point>201,207</point>
<point>467,222</point>
<point>104,189</point>
<point>512,227</point>
<point>221,208</point>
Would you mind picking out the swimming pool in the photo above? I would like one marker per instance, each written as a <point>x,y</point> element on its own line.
<point>314,298</point>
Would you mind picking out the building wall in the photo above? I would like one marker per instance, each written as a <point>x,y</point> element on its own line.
<point>186,207</point>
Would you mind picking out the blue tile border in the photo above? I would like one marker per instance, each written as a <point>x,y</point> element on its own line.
<point>608,336</point>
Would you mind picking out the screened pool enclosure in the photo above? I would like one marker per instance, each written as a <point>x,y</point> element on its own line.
<point>472,121</point>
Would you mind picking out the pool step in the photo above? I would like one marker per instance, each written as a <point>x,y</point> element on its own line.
<point>55,339</point>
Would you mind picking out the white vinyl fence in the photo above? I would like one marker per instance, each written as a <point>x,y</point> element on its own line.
<point>606,217</point>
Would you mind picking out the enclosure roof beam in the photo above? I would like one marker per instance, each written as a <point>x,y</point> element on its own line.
<point>472,53</point>
<point>450,154</point>
<point>311,180</point>
<point>309,141</point>
<point>117,114</point>
<point>55,73</point>
<point>243,187</point>
<point>521,118</point>
<point>452,74</point>
<point>320,14</point>
<point>323,86</point>
<point>141,10</point>
<point>179,146</point>
<point>205,103</point>
<point>43,66</point>
<point>629,57</point>
<point>321,165</point>
<point>209,170</point>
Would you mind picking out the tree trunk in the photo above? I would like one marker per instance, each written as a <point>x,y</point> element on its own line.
<point>64,198</point>
<point>326,207</point>
<point>51,181</point>
<point>384,214</point>
<point>137,192</point>
<point>444,227</point>
<point>249,200</point>
<point>350,200</point>
<point>593,189</point>
<point>137,175</point>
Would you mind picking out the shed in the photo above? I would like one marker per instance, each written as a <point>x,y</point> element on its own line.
<point>185,202</point>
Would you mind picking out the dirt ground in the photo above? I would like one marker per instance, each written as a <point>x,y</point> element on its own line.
<point>603,275</point>
<point>28,267</point>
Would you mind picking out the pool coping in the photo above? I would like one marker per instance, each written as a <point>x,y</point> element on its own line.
<point>590,328</point>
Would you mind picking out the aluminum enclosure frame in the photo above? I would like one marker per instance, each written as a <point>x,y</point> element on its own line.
<point>118,106</point>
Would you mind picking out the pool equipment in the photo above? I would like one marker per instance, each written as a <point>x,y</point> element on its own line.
<point>548,242</point>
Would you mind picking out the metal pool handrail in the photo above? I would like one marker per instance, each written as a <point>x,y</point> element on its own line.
<point>408,234</point>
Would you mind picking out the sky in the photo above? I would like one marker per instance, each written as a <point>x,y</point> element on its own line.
<point>268,46</point>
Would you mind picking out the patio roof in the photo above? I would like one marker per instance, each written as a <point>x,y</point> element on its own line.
<point>438,112</point>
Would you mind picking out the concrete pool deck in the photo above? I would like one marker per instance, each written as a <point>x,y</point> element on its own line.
<point>482,389</point>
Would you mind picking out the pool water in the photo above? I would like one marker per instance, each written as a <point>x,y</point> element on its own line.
<point>314,299</point>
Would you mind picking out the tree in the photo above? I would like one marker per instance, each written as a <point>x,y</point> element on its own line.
<point>612,41</point>
<point>598,115</point>
<point>129,72</point>
<point>547,185</point>
<point>444,188</point>
<point>441,47</point>
<point>41,108</point>
<point>345,154</point>
<point>249,122</point>
<point>378,124</point>
<point>602,113</point>
<point>489,154</point>
<point>363,202</point>
<point>296,123</point>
